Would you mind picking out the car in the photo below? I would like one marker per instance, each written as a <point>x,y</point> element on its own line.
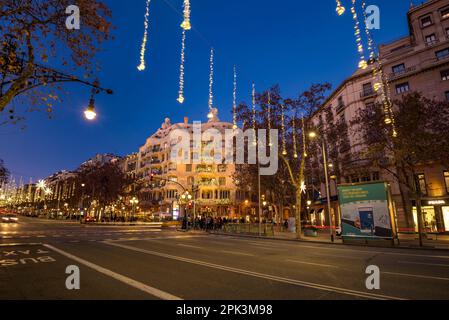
<point>90,220</point>
<point>10,218</point>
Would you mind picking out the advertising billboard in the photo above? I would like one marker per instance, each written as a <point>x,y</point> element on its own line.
<point>365,211</point>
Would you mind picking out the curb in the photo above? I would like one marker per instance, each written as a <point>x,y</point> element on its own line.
<point>329,243</point>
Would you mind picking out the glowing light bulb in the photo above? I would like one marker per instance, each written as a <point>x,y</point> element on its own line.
<point>90,114</point>
<point>388,120</point>
<point>363,64</point>
<point>340,10</point>
<point>377,86</point>
<point>186,25</point>
<point>180,99</point>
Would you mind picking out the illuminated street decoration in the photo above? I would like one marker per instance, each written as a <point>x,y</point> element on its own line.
<point>234,101</point>
<point>254,112</point>
<point>270,143</point>
<point>186,23</point>
<point>380,81</point>
<point>181,69</point>
<point>340,9</point>
<point>284,142</point>
<point>141,67</point>
<point>303,187</point>
<point>295,151</point>
<point>211,81</point>
<point>362,63</point>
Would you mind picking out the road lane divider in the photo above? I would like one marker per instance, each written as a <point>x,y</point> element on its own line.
<point>131,282</point>
<point>414,276</point>
<point>295,282</point>
<point>312,263</point>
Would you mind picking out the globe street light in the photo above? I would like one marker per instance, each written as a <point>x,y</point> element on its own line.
<point>314,135</point>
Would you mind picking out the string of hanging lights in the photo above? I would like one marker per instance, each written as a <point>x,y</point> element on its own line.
<point>295,151</point>
<point>270,143</point>
<point>234,101</point>
<point>211,81</point>
<point>254,112</point>
<point>181,69</point>
<point>340,9</point>
<point>284,142</point>
<point>142,66</point>
<point>186,23</point>
<point>362,63</point>
<point>380,81</point>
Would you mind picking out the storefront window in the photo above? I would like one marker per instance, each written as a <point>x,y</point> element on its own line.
<point>429,219</point>
<point>446,218</point>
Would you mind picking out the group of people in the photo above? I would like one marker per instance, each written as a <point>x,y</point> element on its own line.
<point>209,223</point>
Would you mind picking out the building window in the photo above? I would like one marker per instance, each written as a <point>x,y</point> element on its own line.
<point>188,168</point>
<point>446,180</point>
<point>421,183</point>
<point>442,54</point>
<point>431,39</point>
<point>427,21</point>
<point>402,88</point>
<point>445,13</point>
<point>222,181</point>
<point>398,69</point>
<point>368,89</point>
<point>222,168</point>
<point>445,75</point>
<point>376,176</point>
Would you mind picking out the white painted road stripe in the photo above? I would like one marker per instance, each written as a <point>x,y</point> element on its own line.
<point>312,264</point>
<point>425,264</point>
<point>260,275</point>
<point>415,276</point>
<point>131,282</point>
<point>189,246</point>
<point>238,253</point>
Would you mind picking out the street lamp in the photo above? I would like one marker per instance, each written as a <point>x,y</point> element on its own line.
<point>90,113</point>
<point>314,135</point>
<point>134,202</point>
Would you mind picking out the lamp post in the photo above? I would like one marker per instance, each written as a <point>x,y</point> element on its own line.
<point>313,135</point>
<point>134,201</point>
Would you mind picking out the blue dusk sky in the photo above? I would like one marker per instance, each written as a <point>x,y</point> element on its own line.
<point>293,43</point>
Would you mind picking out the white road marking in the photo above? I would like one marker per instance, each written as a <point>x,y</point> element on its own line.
<point>260,275</point>
<point>238,253</point>
<point>189,246</point>
<point>415,276</point>
<point>320,246</point>
<point>131,282</point>
<point>311,263</point>
<point>425,264</point>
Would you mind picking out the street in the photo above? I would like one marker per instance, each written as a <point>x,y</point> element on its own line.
<point>124,262</point>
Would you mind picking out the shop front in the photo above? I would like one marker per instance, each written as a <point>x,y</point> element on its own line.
<point>435,214</point>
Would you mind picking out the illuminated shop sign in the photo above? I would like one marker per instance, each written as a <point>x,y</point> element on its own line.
<point>436,202</point>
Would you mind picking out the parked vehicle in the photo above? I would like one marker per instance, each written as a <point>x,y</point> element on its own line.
<point>10,218</point>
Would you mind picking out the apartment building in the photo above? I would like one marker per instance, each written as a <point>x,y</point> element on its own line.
<point>416,62</point>
<point>164,180</point>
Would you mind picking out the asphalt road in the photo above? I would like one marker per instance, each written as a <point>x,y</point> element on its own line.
<point>150,263</point>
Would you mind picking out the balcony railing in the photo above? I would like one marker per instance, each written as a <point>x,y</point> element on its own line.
<point>340,107</point>
<point>403,72</point>
<point>367,93</point>
<point>432,43</point>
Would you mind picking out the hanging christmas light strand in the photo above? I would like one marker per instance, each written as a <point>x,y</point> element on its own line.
<point>340,9</point>
<point>234,101</point>
<point>270,143</point>
<point>362,64</point>
<point>379,78</point>
<point>143,48</point>
<point>295,150</point>
<point>304,137</point>
<point>186,23</point>
<point>181,68</point>
<point>253,94</point>
<point>211,80</point>
<point>284,142</point>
